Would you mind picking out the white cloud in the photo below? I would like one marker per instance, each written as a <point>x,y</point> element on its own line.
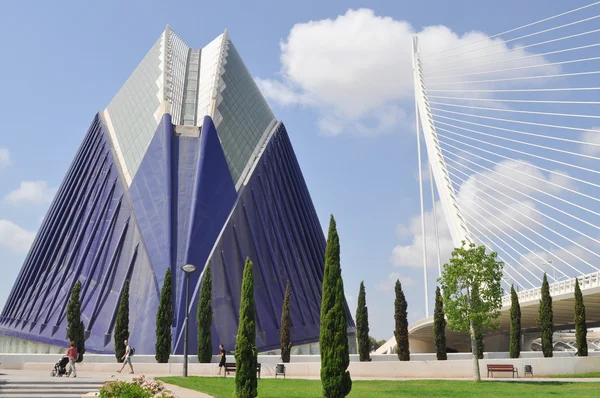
<point>592,139</point>
<point>4,157</point>
<point>36,192</point>
<point>14,237</point>
<point>356,69</point>
<point>510,214</point>
<point>389,283</point>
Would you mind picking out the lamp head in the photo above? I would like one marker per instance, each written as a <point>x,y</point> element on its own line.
<point>188,268</point>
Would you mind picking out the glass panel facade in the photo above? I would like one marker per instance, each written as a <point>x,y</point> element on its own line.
<point>246,114</point>
<point>132,109</point>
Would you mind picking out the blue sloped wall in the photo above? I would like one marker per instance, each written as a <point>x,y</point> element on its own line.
<point>181,201</point>
<point>274,223</point>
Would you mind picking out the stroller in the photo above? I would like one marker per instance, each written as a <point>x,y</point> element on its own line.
<point>60,368</point>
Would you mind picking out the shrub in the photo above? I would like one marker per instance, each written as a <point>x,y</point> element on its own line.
<point>139,387</point>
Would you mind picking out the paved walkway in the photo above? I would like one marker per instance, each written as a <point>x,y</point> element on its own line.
<point>92,377</point>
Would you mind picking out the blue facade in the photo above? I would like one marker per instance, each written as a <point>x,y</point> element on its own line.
<point>181,207</point>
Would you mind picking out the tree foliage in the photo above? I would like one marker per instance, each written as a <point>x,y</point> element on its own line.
<point>164,320</point>
<point>401,319</point>
<point>121,330</point>
<point>439,326</point>
<point>204,318</point>
<point>286,323</point>
<point>333,341</point>
<point>545,318</point>
<point>362,326</point>
<point>515,324</point>
<point>75,328</point>
<point>470,267</point>
<point>374,344</point>
<point>580,326</point>
<point>246,384</point>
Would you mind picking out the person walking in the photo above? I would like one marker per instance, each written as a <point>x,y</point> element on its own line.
<point>222,355</point>
<point>72,354</point>
<point>127,357</point>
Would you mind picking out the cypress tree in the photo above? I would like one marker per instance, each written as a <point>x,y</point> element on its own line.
<point>121,329</point>
<point>75,329</point>
<point>401,318</point>
<point>580,326</point>
<point>439,327</point>
<point>362,325</point>
<point>246,384</point>
<point>545,321</point>
<point>164,319</point>
<point>333,341</point>
<point>515,324</point>
<point>286,322</point>
<point>204,318</point>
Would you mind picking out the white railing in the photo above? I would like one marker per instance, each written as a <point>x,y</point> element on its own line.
<point>561,287</point>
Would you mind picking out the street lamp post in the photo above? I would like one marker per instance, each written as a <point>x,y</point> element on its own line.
<point>188,269</point>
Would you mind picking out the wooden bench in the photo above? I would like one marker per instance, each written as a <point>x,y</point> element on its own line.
<point>502,368</point>
<point>230,367</point>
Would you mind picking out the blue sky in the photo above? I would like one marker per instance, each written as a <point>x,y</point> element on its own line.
<point>64,61</point>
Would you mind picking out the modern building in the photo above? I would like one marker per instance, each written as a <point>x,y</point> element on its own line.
<point>186,165</point>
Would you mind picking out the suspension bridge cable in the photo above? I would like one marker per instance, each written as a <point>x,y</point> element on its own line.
<point>504,61</point>
<point>500,164</point>
<point>522,152</point>
<point>426,62</point>
<point>571,61</point>
<point>541,201</point>
<point>531,144</point>
<point>511,79</point>
<point>535,210</point>
<point>516,29</point>
<point>523,162</point>
<point>524,112</point>
<point>525,90</point>
<point>507,244</point>
<point>475,202</point>
<point>518,100</point>
<point>554,126</point>
<point>537,233</point>
<point>504,42</point>
<point>546,193</point>
<point>500,248</point>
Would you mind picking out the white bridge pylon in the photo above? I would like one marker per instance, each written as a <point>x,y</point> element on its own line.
<point>511,126</point>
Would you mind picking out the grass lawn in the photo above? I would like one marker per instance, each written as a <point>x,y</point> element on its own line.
<point>591,375</point>
<point>293,388</point>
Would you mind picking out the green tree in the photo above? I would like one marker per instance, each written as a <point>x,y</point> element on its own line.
<point>439,326</point>
<point>164,319</point>
<point>545,322</point>
<point>401,329</point>
<point>333,340</point>
<point>515,324</point>
<point>121,330</point>
<point>286,323</point>
<point>471,267</point>
<point>362,325</point>
<point>580,326</point>
<point>75,328</point>
<point>246,384</point>
<point>478,325</point>
<point>204,318</point>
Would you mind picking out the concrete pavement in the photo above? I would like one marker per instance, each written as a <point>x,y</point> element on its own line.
<point>39,384</point>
